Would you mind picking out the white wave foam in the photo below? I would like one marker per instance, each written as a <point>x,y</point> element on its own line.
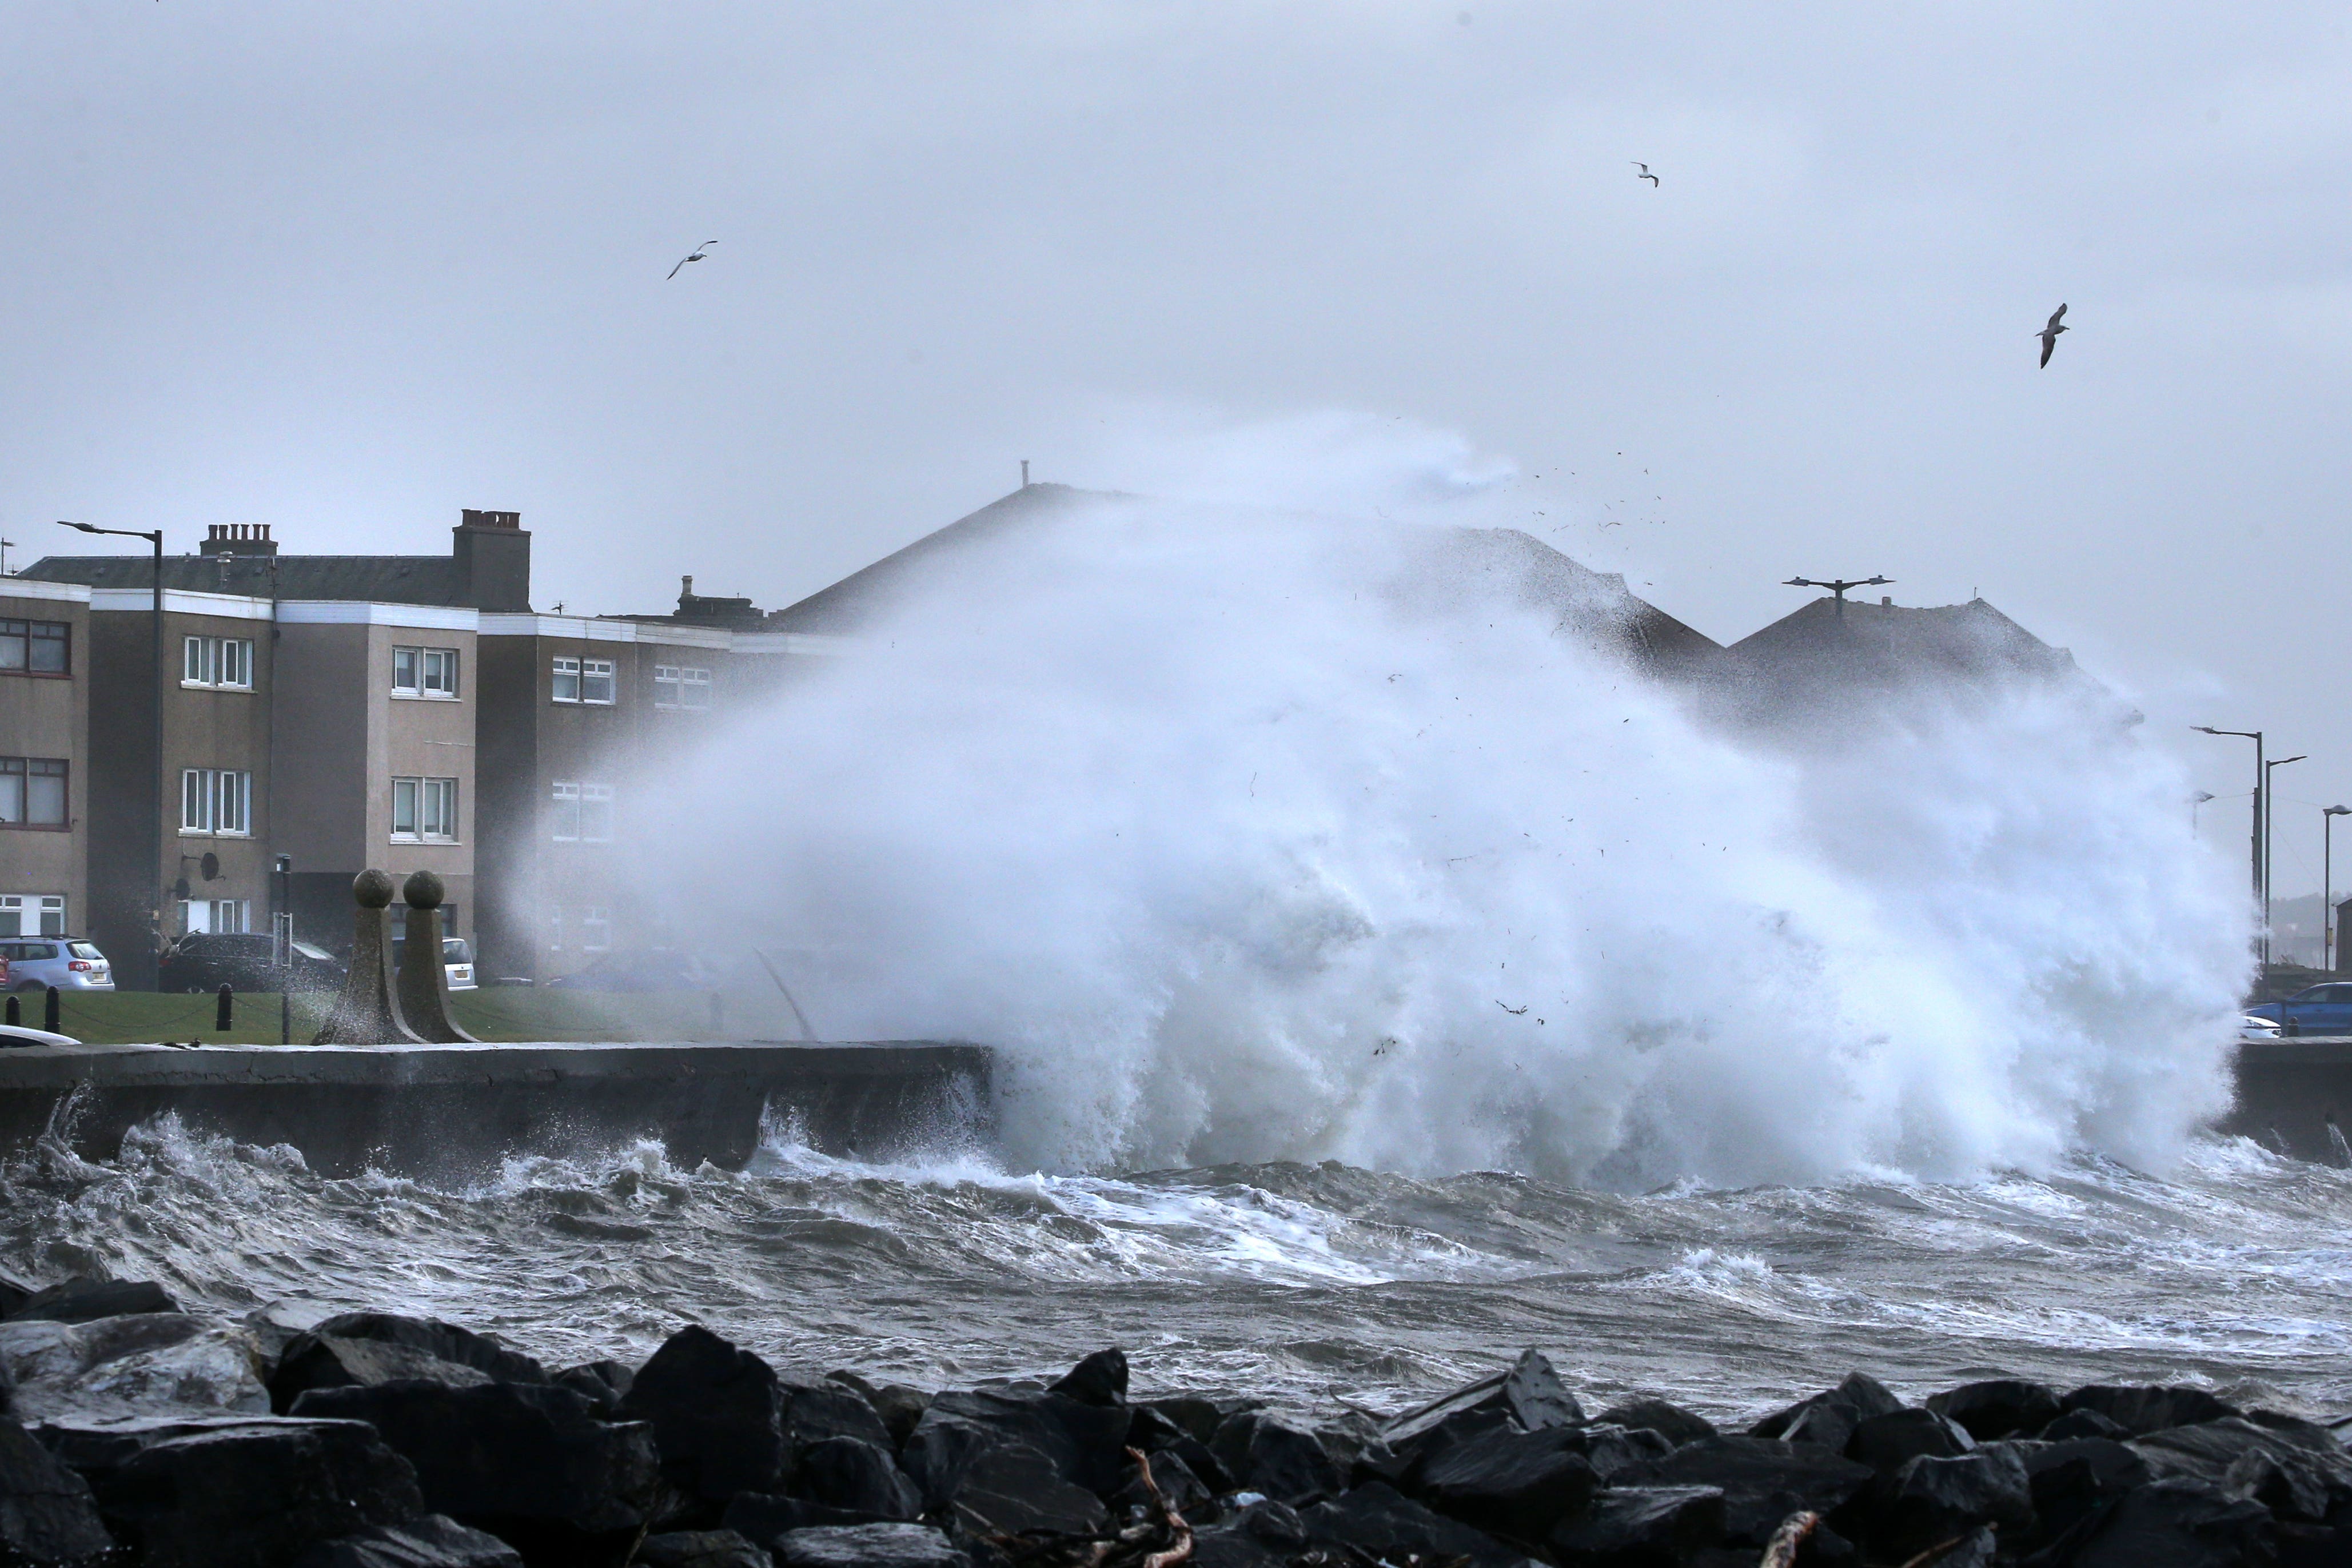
<point>1240,843</point>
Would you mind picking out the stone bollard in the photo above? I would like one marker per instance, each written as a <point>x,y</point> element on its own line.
<point>423,979</point>
<point>368,1013</point>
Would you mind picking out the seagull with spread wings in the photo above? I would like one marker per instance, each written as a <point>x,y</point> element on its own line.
<point>2049,334</point>
<point>1645,173</point>
<point>698,253</point>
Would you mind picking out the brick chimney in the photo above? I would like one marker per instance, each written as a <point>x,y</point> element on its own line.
<point>491,552</point>
<point>238,540</point>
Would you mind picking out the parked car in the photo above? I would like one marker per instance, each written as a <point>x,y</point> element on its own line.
<point>68,963</point>
<point>652,971</point>
<point>2253,1028</point>
<point>2315,1009</point>
<point>16,1034</point>
<point>207,960</point>
<point>457,957</point>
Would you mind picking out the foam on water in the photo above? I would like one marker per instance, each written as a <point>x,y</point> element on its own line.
<point>1244,836</point>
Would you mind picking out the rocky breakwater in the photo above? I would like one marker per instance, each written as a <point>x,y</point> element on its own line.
<point>137,1434</point>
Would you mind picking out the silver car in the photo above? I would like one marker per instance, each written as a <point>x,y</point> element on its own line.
<point>459,959</point>
<point>36,963</point>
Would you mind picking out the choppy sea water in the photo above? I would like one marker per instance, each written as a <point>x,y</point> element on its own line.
<point>1314,1285</point>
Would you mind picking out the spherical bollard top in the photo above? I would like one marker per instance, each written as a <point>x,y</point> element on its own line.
<point>372,888</point>
<point>423,890</point>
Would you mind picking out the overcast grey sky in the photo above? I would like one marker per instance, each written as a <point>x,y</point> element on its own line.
<point>345,269</point>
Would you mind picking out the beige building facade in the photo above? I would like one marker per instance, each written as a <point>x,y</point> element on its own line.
<point>44,758</point>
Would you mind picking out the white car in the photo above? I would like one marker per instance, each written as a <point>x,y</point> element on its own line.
<point>2253,1028</point>
<point>459,959</point>
<point>16,1034</point>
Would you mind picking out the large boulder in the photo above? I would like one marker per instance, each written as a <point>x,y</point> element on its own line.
<point>1932,1500</point>
<point>2072,1481</point>
<point>1612,1450</point>
<point>718,1416</point>
<point>1012,1487</point>
<point>1635,1526</point>
<point>2299,1471</point>
<point>2175,1523</point>
<point>527,1462</point>
<point>1998,1407</point>
<point>1376,1520</point>
<point>1087,1443</point>
<point>858,1476</point>
<point>435,1541</point>
<point>701,1549</point>
<point>1671,1422</point>
<point>81,1300</point>
<point>1509,1482</point>
<point>868,1546</point>
<point>1099,1379</point>
<point>761,1517</point>
<point>1886,1443</point>
<point>153,1364</point>
<point>1828,1419</point>
<point>1264,1454</point>
<point>1528,1390</point>
<point>47,1514</point>
<point>2140,1410</point>
<point>1763,1481</point>
<point>602,1383</point>
<point>363,1349</point>
<point>253,1493</point>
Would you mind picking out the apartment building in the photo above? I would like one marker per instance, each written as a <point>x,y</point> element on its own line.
<point>44,758</point>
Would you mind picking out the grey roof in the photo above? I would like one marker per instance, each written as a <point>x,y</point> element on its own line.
<point>1814,657</point>
<point>849,604</point>
<point>375,579</point>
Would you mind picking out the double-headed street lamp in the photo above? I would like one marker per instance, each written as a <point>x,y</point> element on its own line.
<point>155,624</point>
<point>2270,838</point>
<point>2327,816</point>
<point>2262,776</point>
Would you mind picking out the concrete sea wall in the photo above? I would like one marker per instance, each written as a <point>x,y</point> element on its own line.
<point>453,1109</point>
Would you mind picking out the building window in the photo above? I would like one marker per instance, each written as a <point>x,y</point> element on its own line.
<point>32,914</point>
<point>32,792</point>
<point>216,801</point>
<point>208,914</point>
<point>34,647</point>
<point>681,686</point>
<point>425,672</point>
<point>566,688</point>
<point>583,681</point>
<point>595,929</point>
<point>425,811</point>
<point>555,930</point>
<point>226,662</point>
<point>582,812</point>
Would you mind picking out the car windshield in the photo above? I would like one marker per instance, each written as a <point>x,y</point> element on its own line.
<point>454,951</point>
<point>84,949</point>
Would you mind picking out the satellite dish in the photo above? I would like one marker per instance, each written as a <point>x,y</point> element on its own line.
<point>210,866</point>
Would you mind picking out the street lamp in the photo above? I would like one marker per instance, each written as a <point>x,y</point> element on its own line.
<point>2268,795</point>
<point>155,627</point>
<point>2328,884</point>
<point>2260,777</point>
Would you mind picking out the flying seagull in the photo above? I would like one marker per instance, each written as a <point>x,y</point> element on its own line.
<point>2049,335</point>
<point>706,244</point>
<point>1645,174</point>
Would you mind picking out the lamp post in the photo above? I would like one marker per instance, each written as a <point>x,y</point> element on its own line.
<point>2328,884</point>
<point>2262,776</point>
<point>2268,795</point>
<point>156,629</point>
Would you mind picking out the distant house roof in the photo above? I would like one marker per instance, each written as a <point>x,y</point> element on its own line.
<point>376,579</point>
<point>849,604</point>
<point>1815,651</point>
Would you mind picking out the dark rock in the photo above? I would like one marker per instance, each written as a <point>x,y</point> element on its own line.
<point>1999,1408</point>
<point>1764,1481</point>
<point>1266,1534</point>
<point>1885,1443</point>
<point>1185,1492</point>
<point>1099,1379</point>
<point>601,1383</point>
<point>2177,1523</point>
<point>1640,1527</point>
<point>1827,1420</point>
<point>868,1546</point>
<point>1087,1443</point>
<point>1201,1462</point>
<point>815,1411</point>
<point>2072,1481</point>
<point>1509,1482</point>
<point>2296,1478</point>
<point>2077,1424</point>
<point>529,1462</point>
<point>717,1415</point>
<point>1376,1520</point>
<point>2140,1410</point>
<point>1612,1450</point>
<point>435,1541</point>
<point>1932,1500</point>
<point>901,1408</point>
<point>81,1300</point>
<point>1263,1454</point>
<point>1150,1431</point>
<point>1671,1422</point>
<point>363,1349</point>
<point>1013,1487</point>
<point>254,1494</point>
<point>1201,1417</point>
<point>761,1517</point>
<point>858,1476</point>
<point>14,1294</point>
<point>941,1449</point>
<point>1530,1392</point>
<point>1353,1440</point>
<point>701,1549</point>
<point>46,1513</point>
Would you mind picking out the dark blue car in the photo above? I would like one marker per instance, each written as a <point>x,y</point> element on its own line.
<point>2315,1009</point>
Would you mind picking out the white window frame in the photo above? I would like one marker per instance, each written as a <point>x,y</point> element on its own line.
<point>232,915</point>
<point>584,809</point>
<point>596,928</point>
<point>431,811</point>
<point>564,680</point>
<point>43,907</point>
<point>215,802</point>
<point>431,674</point>
<point>682,686</point>
<point>593,672</point>
<point>217,663</point>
